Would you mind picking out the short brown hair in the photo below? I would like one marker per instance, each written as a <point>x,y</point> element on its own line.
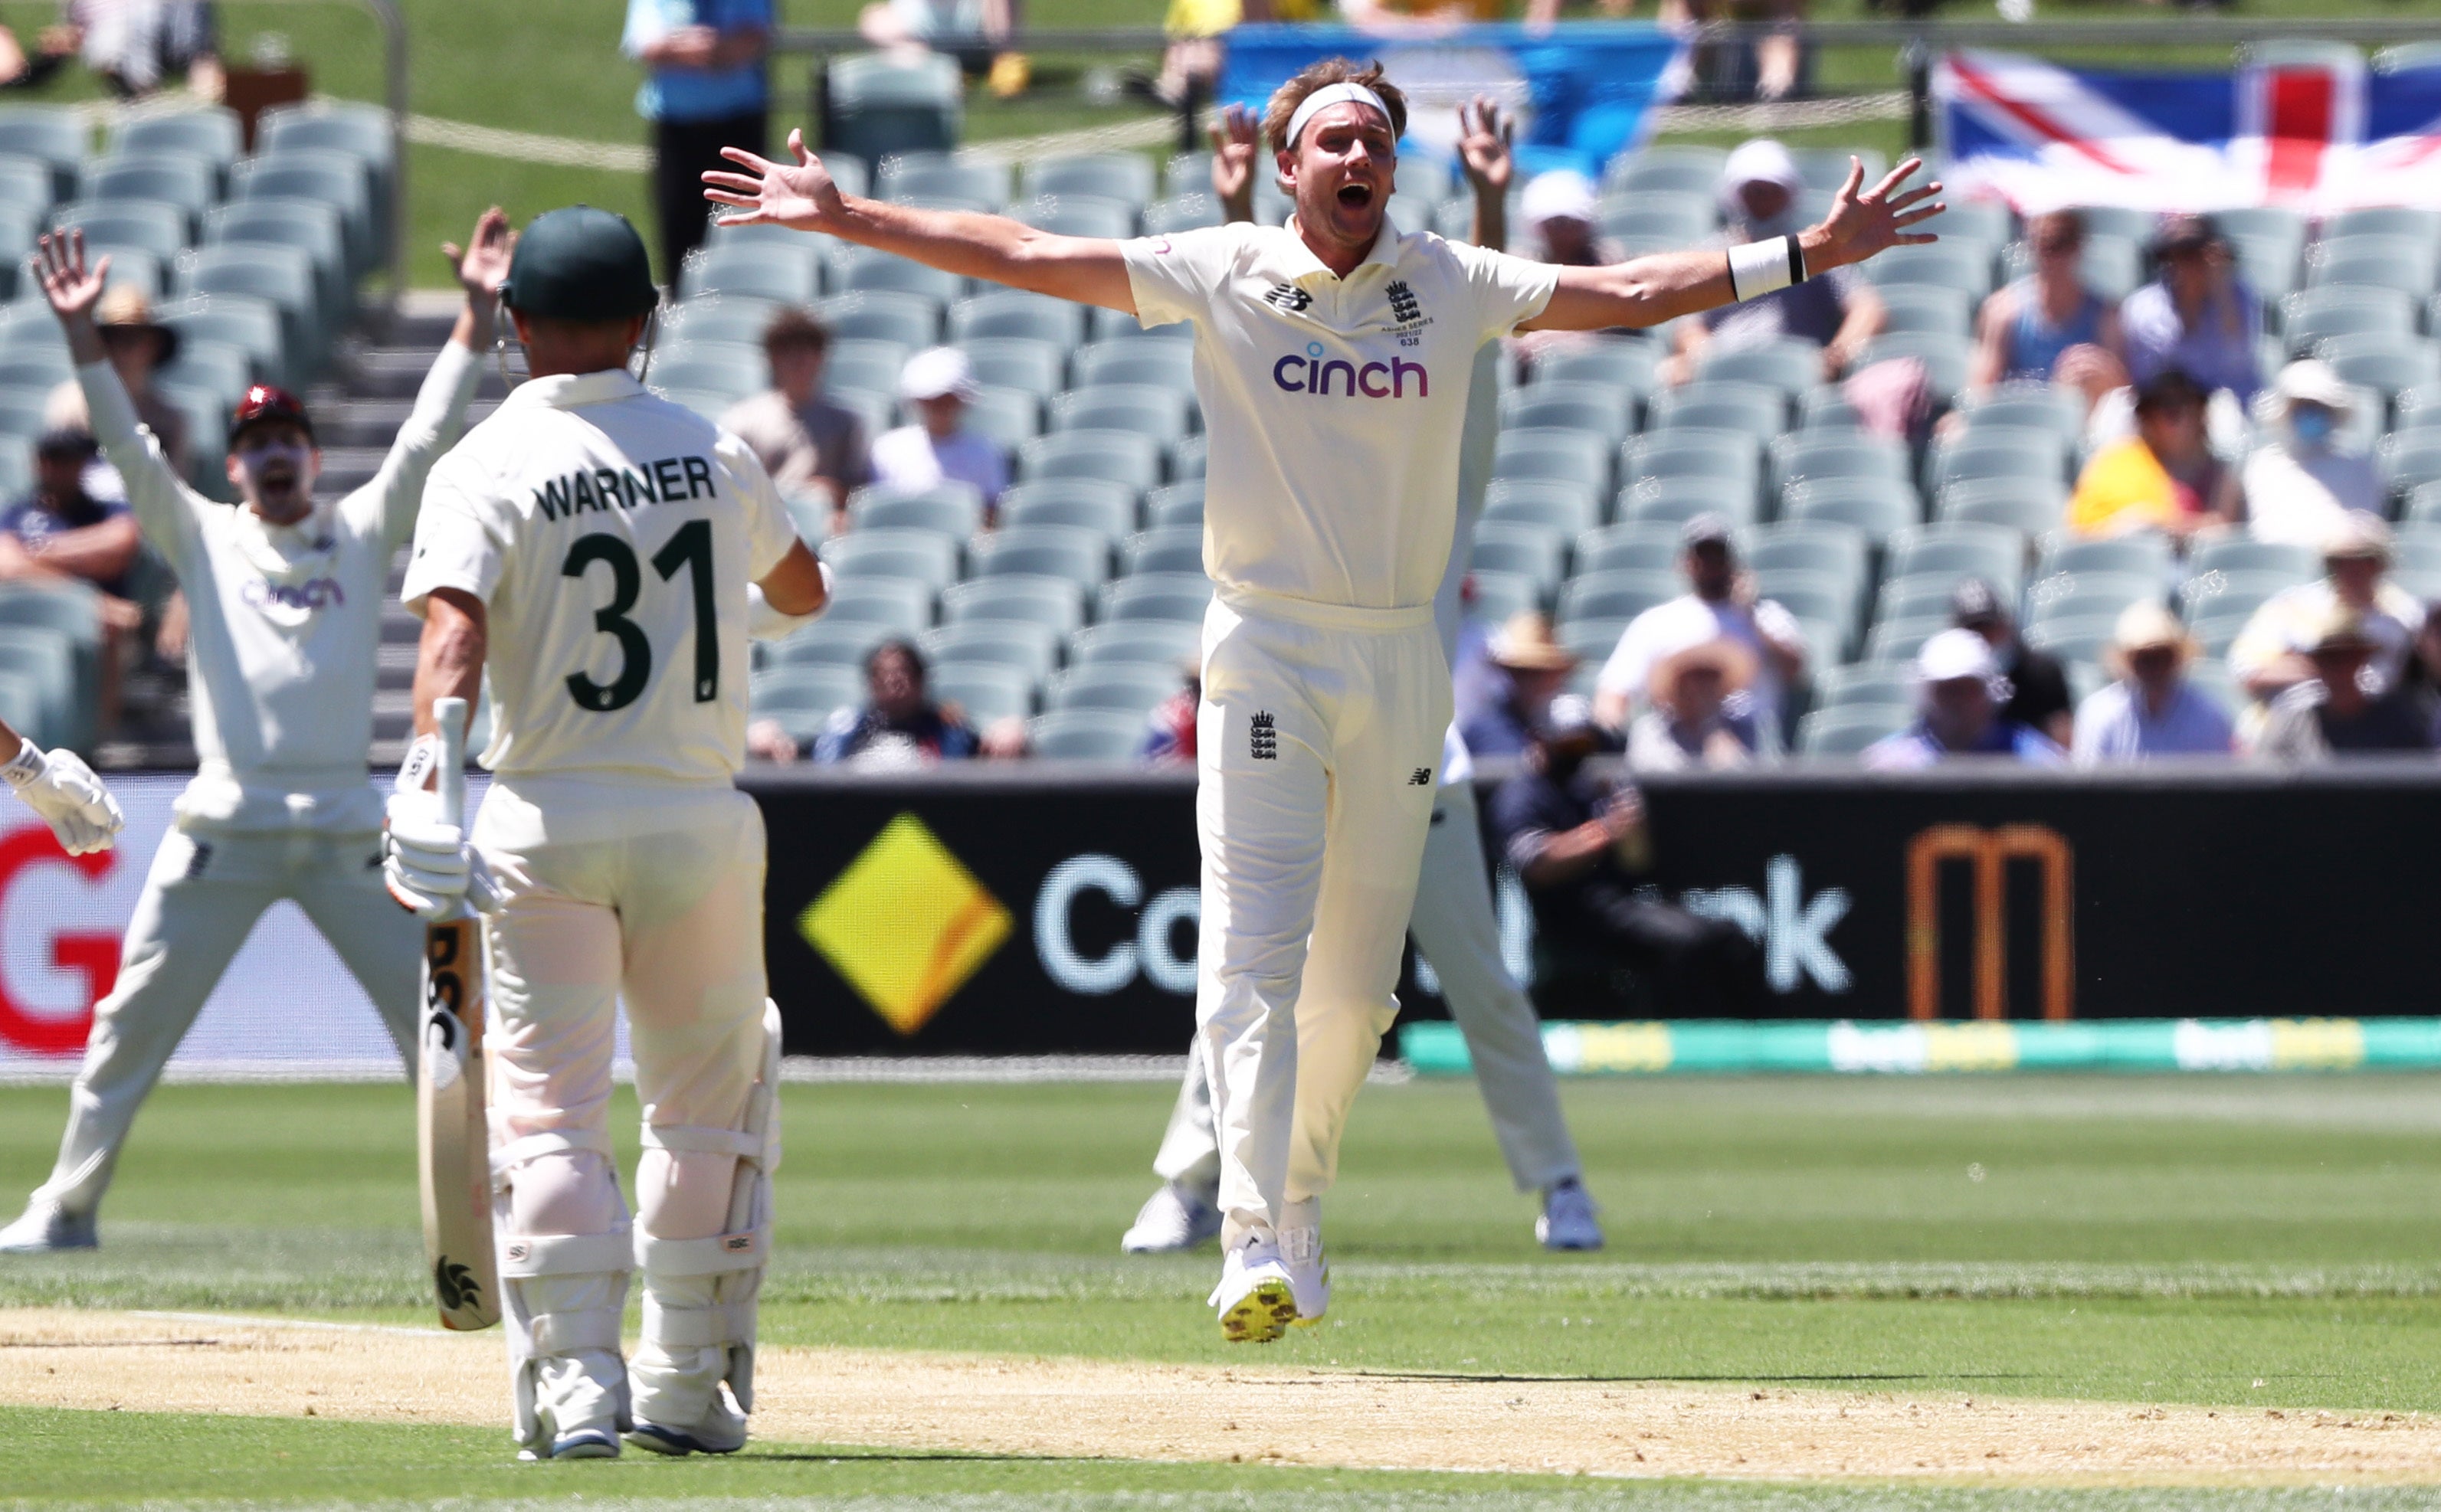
<point>1329,71</point>
<point>792,327</point>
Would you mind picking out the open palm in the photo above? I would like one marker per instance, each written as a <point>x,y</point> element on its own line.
<point>1865,221</point>
<point>72,288</point>
<point>800,195</point>
<point>484,265</point>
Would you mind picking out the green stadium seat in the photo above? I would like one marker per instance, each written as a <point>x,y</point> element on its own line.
<point>159,229</point>
<point>1994,451</point>
<point>1587,407</point>
<point>1876,506</point>
<point>2084,595</point>
<point>1757,410</point>
<point>331,177</point>
<point>1944,358</point>
<point>1118,457</point>
<point>1180,503</point>
<point>1928,308</point>
<point>1959,549</point>
<point>2145,557</point>
<point>709,368</point>
<point>910,320</point>
<point>1146,409</point>
<point>940,176</point>
<point>2074,636</point>
<point>1534,551</point>
<point>1069,551</point>
<point>927,558</point>
<point>2030,506</point>
<point>985,694</point>
<point>949,509</point>
<point>354,127</point>
<point>1614,363</point>
<point>1108,510</point>
<point>1897,640</point>
<point>1790,365</point>
<point>1165,548</point>
<point>283,274</point>
<point>1916,595</point>
<point>2371,262</point>
<point>1616,595</point>
<point>54,135</point>
<point>290,223</point>
<point>26,184</point>
<point>1842,551</point>
<point>1674,499</point>
<point>734,317</point>
<point>2397,364</point>
<point>1865,685</point>
<point>1636,547</point>
<point>1182,597</point>
<point>1729,458</point>
<point>1020,363</point>
<point>1026,647</point>
<point>1124,176</point>
<point>2026,407</point>
<point>1143,643</point>
<point>897,605</point>
<point>1127,687</point>
<point>1565,507</point>
<point>1666,215</point>
<point>251,325</point>
<point>1087,734</point>
<point>784,275</point>
<point>1804,458</point>
<point>1559,456</point>
<point>1492,597</point>
<point>1187,172</point>
<point>1018,313</point>
<point>1109,325</point>
<point>1963,266</point>
<point>1156,363</point>
<point>865,270</point>
<point>862,366</point>
<point>188,183</point>
<point>808,686</point>
<point>2222,592</point>
<point>884,104</point>
<point>1080,215</point>
<point>212,133</point>
<point>2311,316</point>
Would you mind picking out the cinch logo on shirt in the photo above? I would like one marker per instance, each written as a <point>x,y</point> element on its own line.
<point>314,593</point>
<point>1309,374</point>
<point>666,481</point>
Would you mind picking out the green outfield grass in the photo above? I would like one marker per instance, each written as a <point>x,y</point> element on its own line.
<point>2269,1242</point>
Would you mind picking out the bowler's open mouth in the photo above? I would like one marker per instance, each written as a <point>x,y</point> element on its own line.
<point>1356,196</point>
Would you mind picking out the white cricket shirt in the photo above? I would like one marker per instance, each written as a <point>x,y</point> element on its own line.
<point>611,535</point>
<point>285,618</point>
<point>1333,407</point>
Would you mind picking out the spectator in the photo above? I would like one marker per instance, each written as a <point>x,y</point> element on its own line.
<point>704,89</point>
<point>1698,715</point>
<point>139,47</point>
<point>2297,485</point>
<point>2332,713</point>
<point>2028,331</point>
<point>2199,318</point>
<point>1721,604</point>
<point>938,383</point>
<point>811,447</point>
<point>61,530</point>
<point>1562,222</point>
<point>2164,477</point>
<point>2356,557</point>
<point>1580,845</point>
<point>53,47</point>
<point>969,30</point>
<point>1535,667</point>
<point>1837,311</point>
<point>1959,695</point>
<point>138,346</point>
<point>1169,730</point>
<point>2037,683</point>
<point>898,724</point>
<point>2151,710</point>
<point>1428,19</point>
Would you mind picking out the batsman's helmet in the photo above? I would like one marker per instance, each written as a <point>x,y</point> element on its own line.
<point>263,403</point>
<point>580,263</point>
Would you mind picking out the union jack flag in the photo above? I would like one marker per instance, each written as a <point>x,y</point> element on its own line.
<point>2317,135</point>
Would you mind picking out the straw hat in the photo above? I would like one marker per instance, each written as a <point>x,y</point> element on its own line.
<point>1526,644</point>
<point>2146,626</point>
<point>1735,664</point>
<point>123,307</point>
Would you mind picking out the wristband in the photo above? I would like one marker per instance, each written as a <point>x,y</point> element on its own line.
<point>24,766</point>
<point>1767,266</point>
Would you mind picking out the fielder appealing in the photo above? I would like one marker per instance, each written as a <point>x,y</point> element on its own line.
<point>594,544</point>
<point>1332,357</point>
<point>285,597</point>
<point>62,789</point>
<point>1454,923</point>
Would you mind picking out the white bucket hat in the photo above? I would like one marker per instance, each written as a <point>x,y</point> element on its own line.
<point>935,374</point>
<point>1561,194</point>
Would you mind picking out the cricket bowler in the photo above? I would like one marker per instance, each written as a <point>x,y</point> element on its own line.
<point>1333,359</point>
<point>286,594</point>
<point>604,552</point>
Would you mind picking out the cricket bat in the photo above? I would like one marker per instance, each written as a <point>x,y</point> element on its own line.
<point>453,1140</point>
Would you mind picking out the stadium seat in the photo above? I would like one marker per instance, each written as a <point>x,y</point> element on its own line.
<point>362,131</point>
<point>1688,168</point>
<point>1532,551</point>
<point>1947,264</point>
<point>2389,366</point>
<point>1124,176</point>
<point>2301,564</point>
<point>1143,642</point>
<point>1995,451</point>
<point>1876,506</point>
<point>1181,212</point>
<point>213,134</point>
<point>189,182</point>
<point>733,317</point>
<point>1897,640</point>
<point>1011,417</point>
<point>1187,173</point>
<point>2233,591</point>
<point>1630,548</point>
<point>1118,457</point>
<point>1662,457</point>
<point>333,178</point>
<point>159,230</point>
<point>1108,510</point>
<point>1616,595</point>
<point>1058,604</point>
<point>1017,312</point>
<point>2372,262</point>
<point>251,325</point>
<point>1492,597</point>
<point>1163,548</point>
<point>1615,363</point>
<point>1162,413</point>
<point>1559,456</point>
<point>709,368</point>
<point>2147,557</point>
<point>925,557</point>
<point>808,688</point>
<point>1024,646</point>
<point>1180,503</point>
<point>883,104</point>
<point>1928,308</point>
<point>910,320</point>
<point>1840,551</point>
<point>1944,358</point>
<point>1127,687</point>
<point>1961,548</point>
<point>1182,597</point>
<point>2075,636</point>
<point>1917,596</point>
<point>866,270</point>
<point>1020,363</point>
<point>871,367</point>
<point>50,134</point>
<point>1069,551</point>
<point>1843,734</point>
<point>292,223</point>
<point>1863,685</point>
<point>2311,316</point>
<point>939,176</point>
<point>1559,506</point>
<point>2026,407</point>
<point>26,184</point>
<point>1789,364</point>
<point>282,275</point>
<point>896,605</point>
<point>1759,411</point>
<point>1568,407</point>
<point>1087,734</point>
<point>1802,457</point>
<point>1674,499</point>
<point>949,509</point>
<point>984,693</point>
<point>1106,325</point>
<point>830,641</point>
<point>1666,215</point>
<point>2082,595</point>
<point>1080,215</point>
<point>1161,364</point>
<point>2029,506</point>
<point>2111,265</point>
<point>784,275</point>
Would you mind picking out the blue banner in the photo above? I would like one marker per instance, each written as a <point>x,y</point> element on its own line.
<point>1584,92</point>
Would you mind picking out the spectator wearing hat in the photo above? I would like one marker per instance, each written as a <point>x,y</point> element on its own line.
<point>1720,605</point>
<point>2268,659</point>
<point>2048,326</point>
<point>1564,223</point>
<point>811,447</point>
<point>939,383</point>
<point>138,347</point>
<point>2150,709</point>
<point>1698,715</point>
<point>1536,667</point>
<point>1578,842</point>
<point>2197,317</point>
<point>2334,714</point>
<point>62,531</point>
<point>2164,477</point>
<point>1169,730</point>
<point>1837,309</point>
<point>704,89</point>
<point>2298,486</point>
<point>1959,700</point>
<point>2037,683</point>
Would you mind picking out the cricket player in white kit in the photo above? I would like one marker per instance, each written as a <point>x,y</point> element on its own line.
<point>1455,924</point>
<point>1333,358</point>
<point>602,550</point>
<point>285,595</point>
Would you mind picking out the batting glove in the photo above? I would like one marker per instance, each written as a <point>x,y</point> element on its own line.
<point>61,788</point>
<point>425,863</point>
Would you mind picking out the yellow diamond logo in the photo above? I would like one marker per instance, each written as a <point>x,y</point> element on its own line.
<point>906,923</point>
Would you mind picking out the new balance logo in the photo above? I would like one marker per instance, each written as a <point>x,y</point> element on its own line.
<point>1423,778</point>
<point>1263,737</point>
<point>1403,308</point>
<point>1288,296</point>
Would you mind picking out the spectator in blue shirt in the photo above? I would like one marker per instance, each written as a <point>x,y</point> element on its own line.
<point>703,90</point>
<point>898,724</point>
<point>1960,698</point>
<point>58,530</point>
<point>2152,709</point>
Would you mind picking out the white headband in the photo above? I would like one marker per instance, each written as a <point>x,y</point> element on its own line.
<point>1331,95</point>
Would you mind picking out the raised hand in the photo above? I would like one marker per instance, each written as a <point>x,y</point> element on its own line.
<point>72,288</point>
<point>1234,144</point>
<point>1483,145</point>
<point>1865,221</point>
<point>799,196</point>
<point>483,265</point>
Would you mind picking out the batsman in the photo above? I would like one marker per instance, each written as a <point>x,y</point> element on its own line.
<point>607,553</point>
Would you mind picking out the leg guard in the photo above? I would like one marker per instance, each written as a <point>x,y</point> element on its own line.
<point>701,1294</point>
<point>563,1297</point>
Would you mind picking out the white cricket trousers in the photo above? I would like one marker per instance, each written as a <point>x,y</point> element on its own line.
<point>1458,930</point>
<point>200,901</point>
<point>658,901</point>
<point>1317,748</point>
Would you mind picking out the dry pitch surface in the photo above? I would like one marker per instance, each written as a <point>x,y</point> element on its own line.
<point>1000,1404</point>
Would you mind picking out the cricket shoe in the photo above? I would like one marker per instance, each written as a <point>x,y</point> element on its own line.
<point>721,1432</point>
<point>1568,1220</point>
<point>1308,1268</point>
<point>1256,1298</point>
<point>46,1228</point>
<point>1174,1219</point>
<point>586,1444</point>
